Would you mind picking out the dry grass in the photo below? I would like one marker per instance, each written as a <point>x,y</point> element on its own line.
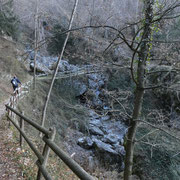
<point>9,65</point>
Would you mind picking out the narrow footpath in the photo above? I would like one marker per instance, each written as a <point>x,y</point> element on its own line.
<point>9,167</point>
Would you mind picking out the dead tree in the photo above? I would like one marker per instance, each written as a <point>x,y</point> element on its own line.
<point>57,64</point>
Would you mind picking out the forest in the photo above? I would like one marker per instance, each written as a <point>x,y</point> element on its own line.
<point>105,75</point>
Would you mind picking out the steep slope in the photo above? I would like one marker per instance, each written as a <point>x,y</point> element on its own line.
<point>9,168</point>
<point>9,65</point>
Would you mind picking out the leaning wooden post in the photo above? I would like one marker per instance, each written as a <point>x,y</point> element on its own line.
<point>46,151</point>
<point>22,129</point>
<point>10,104</point>
<point>14,105</point>
<point>8,111</point>
<point>13,102</point>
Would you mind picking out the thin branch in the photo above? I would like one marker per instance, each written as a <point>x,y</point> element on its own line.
<point>152,87</point>
<point>176,154</point>
<point>153,72</point>
<point>57,64</point>
<point>120,105</point>
<point>147,135</point>
<point>161,129</point>
<point>110,44</point>
<point>166,42</point>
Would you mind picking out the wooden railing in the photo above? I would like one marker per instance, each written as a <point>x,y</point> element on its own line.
<point>48,139</point>
<point>65,74</point>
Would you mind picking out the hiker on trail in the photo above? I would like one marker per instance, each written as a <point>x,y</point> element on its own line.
<point>15,81</point>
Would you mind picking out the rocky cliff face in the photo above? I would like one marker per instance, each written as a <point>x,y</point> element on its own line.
<point>104,135</point>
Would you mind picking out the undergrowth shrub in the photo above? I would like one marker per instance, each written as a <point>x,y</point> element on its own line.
<point>64,109</point>
<point>8,21</point>
<point>156,156</point>
<point>57,41</point>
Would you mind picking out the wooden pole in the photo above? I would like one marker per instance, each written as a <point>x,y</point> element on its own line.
<point>43,171</point>
<point>35,43</point>
<point>22,129</point>
<point>32,123</point>
<point>75,167</point>
<point>57,65</point>
<point>13,102</point>
<point>46,152</point>
<point>36,152</point>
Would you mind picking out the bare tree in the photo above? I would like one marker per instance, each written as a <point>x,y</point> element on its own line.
<point>36,42</point>
<point>57,64</point>
<point>143,51</point>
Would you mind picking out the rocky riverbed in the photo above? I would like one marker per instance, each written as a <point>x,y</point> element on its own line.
<point>103,140</point>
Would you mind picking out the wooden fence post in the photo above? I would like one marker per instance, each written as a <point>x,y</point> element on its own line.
<point>11,105</point>
<point>46,152</point>
<point>13,102</point>
<point>22,129</point>
<point>10,112</point>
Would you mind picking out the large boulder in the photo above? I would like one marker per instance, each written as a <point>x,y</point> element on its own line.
<point>80,88</point>
<point>111,138</point>
<point>40,68</point>
<point>108,154</point>
<point>65,66</point>
<point>85,142</point>
<point>95,130</point>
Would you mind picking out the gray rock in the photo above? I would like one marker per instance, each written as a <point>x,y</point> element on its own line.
<point>91,162</point>
<point>100,83</point>
<point>106,108</point>
<point>103,147</point>
<point>107,153</point>
<point>85,142</point>
<point>97,93</point>
<point>93,114</point>
<point>65,66</point>
<point>40,68</point>
<point>105,118</point>
<point>95,130</point>
<point>96,122</point>
<point>111,138</point>
<point>92,84</point>
<point>97,102</point>
<point>120,149</point>
<point>80,88</point>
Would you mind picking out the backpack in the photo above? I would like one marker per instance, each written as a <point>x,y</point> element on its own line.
<point>14,82</point>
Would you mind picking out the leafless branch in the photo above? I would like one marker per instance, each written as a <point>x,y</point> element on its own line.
<point>151,132</point>
<point>161,129</point>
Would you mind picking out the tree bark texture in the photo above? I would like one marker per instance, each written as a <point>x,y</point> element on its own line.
<point>139,93</point>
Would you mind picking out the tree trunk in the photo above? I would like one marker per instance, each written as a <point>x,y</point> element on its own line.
<point>35,43</point>
<point>57,65</point>
<point>139,93</point>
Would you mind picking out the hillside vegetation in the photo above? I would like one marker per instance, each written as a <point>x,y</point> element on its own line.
<point>10,64</point>
<point>122,116</point>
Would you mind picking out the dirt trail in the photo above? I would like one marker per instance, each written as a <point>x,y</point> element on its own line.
<point>9,169</point>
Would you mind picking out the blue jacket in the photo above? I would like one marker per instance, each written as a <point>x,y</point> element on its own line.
<point>15,82</point>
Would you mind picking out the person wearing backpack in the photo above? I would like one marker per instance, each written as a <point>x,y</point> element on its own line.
<point>15,81</point>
